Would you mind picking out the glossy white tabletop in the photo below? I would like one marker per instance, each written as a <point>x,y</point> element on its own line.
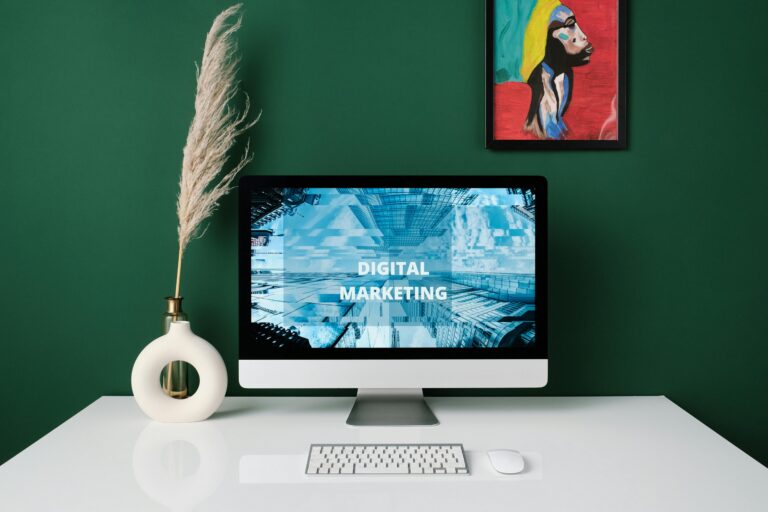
<point>583,454</point>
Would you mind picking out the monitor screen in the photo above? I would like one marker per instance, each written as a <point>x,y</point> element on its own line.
<point>355,270</point>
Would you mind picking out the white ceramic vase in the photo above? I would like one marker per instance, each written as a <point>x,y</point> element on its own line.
<point>179,344</point>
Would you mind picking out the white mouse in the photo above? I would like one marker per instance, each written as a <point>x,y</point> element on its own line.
<point>507,462</point>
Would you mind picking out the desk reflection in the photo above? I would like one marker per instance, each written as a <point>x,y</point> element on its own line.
<point>180,465</point>
<point>230,464</point>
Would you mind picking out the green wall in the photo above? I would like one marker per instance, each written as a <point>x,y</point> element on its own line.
<point>658,284</point>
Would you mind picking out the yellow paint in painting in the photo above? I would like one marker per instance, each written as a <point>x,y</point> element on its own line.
<point>535,41</point>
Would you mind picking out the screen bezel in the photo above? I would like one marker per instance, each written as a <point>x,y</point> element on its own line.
<point>249,183</point>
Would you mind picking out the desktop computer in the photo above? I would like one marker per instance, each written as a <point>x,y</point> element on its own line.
<point>392,284</point>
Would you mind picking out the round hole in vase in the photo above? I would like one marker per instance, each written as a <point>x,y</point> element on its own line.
<point>182,371</point>
<point>179,344</point>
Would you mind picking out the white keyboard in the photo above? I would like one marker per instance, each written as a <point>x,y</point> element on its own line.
<point>386,459</point>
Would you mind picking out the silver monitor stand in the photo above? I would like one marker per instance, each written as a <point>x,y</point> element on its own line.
<point>390,407</point>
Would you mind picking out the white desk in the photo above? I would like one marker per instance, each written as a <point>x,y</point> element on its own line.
<point>584,454</point>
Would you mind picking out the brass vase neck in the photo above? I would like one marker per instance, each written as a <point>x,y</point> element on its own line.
<point>174,305</point>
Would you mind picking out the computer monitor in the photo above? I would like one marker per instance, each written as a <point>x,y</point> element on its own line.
<point>392,284</point>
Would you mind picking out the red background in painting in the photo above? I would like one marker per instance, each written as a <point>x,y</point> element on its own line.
<point>594,85</point>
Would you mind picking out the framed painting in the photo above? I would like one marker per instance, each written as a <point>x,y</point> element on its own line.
<point>556,74</point>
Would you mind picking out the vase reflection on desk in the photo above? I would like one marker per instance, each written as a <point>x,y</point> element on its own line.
<point>180,468</point>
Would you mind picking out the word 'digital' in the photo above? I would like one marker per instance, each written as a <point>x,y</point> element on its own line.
<point>391,268</point>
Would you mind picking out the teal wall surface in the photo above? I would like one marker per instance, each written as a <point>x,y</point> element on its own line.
<point>658,253</point>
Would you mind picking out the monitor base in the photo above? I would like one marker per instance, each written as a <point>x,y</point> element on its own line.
<point>391,407</point>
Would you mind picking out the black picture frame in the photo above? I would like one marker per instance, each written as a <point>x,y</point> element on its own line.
<point>248,184</point>
<point>493,143</point>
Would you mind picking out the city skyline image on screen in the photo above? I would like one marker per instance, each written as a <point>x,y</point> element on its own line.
<point>357,268</point>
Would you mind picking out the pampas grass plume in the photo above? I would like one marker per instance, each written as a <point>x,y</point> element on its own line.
<point>212,133</point>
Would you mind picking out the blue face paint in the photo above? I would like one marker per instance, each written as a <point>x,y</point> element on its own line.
<point>564,36</point>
